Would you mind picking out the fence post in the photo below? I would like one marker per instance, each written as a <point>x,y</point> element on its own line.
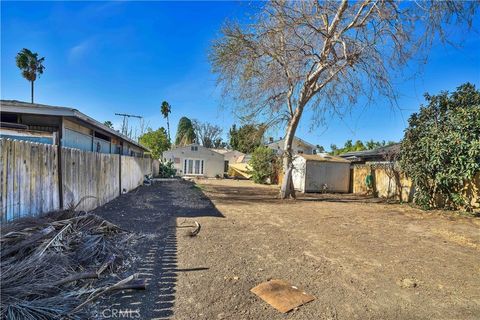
<point>59,164</point>
<point>120,173</point>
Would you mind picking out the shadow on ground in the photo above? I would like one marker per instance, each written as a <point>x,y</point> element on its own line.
<point>159,213</point>
<point>249,195</point>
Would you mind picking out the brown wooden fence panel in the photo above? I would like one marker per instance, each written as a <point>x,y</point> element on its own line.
<point>88,174</point>
<point>29,179</point>
<point>386,186</point>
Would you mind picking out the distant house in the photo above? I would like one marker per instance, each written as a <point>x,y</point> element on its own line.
<point>231,157</point>
<point>63,126</point>
<point>196,160</point>
<point>299,146</point>
<point>374,155</point>
<point>320,172</point>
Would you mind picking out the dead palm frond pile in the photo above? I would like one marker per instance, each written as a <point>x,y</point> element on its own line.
<point>53,266</point>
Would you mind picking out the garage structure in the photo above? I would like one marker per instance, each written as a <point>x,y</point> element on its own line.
<point>320,173</point>
<point>63,126</point>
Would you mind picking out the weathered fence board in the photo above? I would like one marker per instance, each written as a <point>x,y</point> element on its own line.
<point>89,174</point>
<point>400,187</point>
<point>29,178</point>
<point>134,171</point>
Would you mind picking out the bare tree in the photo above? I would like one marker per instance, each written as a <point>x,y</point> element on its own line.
<point>324,55</point>
<point>393,172</point>
<point>208,135</point>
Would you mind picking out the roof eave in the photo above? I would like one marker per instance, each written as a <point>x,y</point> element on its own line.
<point>42,109</point>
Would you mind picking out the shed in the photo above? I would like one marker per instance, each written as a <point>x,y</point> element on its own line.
<point>321,172</point>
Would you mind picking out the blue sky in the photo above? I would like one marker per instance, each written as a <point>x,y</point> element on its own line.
<point>107,57</point>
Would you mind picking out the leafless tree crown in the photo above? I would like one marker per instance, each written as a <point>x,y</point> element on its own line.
<point>326,54</point>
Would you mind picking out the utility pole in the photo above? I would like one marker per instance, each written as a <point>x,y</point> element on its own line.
<point>125,121</point>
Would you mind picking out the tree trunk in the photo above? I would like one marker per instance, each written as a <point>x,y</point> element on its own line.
<point>168,130</point>
<point>31,82</point>
<point>287,190</point>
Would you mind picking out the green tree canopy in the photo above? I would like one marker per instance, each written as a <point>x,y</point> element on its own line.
<point>263,164</point>
<point>246,138</point>
<point>166,109</point>
<point>185,132</point>
<point>109,124</point>
<point>349,146</point>
<point>441,148</point>
<point>30,65</point>
<point>156,140</point>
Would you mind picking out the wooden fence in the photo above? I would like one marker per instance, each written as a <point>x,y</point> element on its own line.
<point>386,185</point>
<point>30,178</point>
<point>134,171</point>
<point>85,174</point>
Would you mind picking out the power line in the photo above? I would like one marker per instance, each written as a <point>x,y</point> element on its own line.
<point>125,121</point>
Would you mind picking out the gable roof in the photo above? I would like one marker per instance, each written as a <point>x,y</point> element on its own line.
<point>295,138</point>
<point>15,106</point>
<point>187,146</point>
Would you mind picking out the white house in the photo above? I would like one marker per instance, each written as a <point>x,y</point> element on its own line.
<point>299,146</point>
<point>320,172</point>
<point>196,160</point>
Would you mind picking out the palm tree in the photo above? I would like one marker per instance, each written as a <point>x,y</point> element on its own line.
<point>166,109</point>
<point>30,64</point>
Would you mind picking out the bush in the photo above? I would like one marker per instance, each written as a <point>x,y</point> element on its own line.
<point>441,148</point>
<point>167,170</point>
<point>263,164</point>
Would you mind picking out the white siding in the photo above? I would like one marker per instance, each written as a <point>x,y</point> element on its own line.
<point>311,176</point>
<point>297,147</point>
<point>213,162</point>
<point>334,175</point>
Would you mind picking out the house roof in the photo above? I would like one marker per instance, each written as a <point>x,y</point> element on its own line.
<point>225,151</point>
<point>194,144</point>
<point>378,152</point>
<point>295,138</point>
<point>222,151</point>
<point>15,106</point>
<point>322,158</point>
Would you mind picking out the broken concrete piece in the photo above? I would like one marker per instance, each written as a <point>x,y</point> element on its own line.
<point>282,295</point>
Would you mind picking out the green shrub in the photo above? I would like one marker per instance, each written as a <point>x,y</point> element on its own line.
<point>167,170</point>
<point>441,148</point>
<point>263,164</point>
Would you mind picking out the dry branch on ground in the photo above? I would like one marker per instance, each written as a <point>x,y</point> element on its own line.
<point>53,265</point>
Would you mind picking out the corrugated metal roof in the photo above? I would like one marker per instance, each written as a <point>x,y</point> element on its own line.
<point>323,158</point>
<point>374,152</point>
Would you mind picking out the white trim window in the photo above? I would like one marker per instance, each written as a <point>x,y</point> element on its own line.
<point>193,167</point>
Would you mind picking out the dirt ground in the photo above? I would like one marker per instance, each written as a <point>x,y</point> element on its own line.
<point>361,259</point>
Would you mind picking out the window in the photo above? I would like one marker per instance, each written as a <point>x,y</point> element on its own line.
<point>190,166</point>
<point>193,167</point>
<point>300,151</point>
<point>194,148</point>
